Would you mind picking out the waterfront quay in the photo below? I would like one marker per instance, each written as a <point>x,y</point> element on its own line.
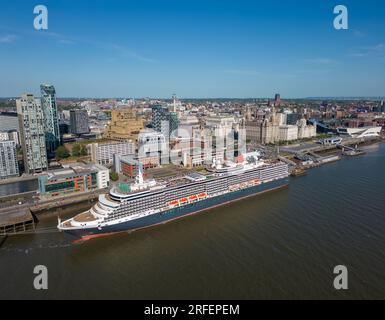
<point>20,217</point>
<point>309,155</point>
<point>19,212</point>
<point>16,220</point>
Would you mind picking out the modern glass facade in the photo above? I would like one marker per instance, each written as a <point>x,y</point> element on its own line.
<point>79,122</point>
<point>164,121</point>
<point>60,185</point>
<point>51,120</point>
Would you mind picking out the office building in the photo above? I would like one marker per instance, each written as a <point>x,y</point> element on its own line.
<point>8,160</point>
<point>74,178</point>
<point>272,129</point>
<point>292,118</point>
<point>164,121</point>
<point>288,133</point>
<point>32,137</point>
<point>9,121</point>
<point>125,125</point>
<point>128,165</point>
<point>51,119</point>
<point>79,122</point>
<point>306,131</point>
<point>12,135</point>
<point>103,153</point>
<point>152,144</point>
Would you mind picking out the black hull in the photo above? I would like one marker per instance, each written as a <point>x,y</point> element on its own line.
<point>179,212</point>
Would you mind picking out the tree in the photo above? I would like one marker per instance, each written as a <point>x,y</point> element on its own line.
<point>79,150</point>
<point>114,176</point>
<point>76,150</point>
<point>83,150</point>
<point>62,153</point>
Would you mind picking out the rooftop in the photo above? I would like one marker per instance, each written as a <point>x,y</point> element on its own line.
<point>75,169</point>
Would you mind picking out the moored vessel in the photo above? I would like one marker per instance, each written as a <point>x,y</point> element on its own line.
<point>146,203</point>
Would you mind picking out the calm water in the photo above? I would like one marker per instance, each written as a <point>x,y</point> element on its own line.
<point>18,187</point>
<point>284,244</point>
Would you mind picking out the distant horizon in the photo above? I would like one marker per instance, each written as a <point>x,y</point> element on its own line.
<point>213,98</point>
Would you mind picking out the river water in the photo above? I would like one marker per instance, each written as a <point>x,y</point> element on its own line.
<point>18,187</point>
<point>284,244</point>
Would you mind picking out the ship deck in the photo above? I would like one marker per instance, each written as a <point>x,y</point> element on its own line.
<point>84,217</point>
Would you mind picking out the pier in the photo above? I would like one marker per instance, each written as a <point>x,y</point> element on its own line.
<point>16,221</point>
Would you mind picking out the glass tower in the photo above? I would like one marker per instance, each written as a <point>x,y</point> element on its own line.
<point>51,121</point>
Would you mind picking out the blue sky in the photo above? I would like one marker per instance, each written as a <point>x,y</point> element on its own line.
<point>193,48</point>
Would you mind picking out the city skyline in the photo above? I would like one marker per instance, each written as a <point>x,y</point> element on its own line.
<point>196,49</point>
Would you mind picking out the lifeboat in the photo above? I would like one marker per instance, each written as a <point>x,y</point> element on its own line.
<point>173,203</point>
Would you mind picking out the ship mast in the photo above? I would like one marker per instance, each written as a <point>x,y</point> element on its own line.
<point>139,178</point>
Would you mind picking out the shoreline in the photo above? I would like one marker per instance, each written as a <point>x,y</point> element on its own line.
<point>51,208</point>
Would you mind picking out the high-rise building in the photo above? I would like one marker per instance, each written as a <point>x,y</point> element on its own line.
<point>51,120</point>
<point>9,121</point>
<point>277,99</point>
<point>79,121</point>
<point>12,135</point>
<point>164,121</point>
<point>31,123</point>
<point>8,160</point>
<point>125,125</point>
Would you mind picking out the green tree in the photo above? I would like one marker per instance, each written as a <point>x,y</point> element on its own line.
<point>83,150</point>
<point>76,148</point>
<point>114,176</point>
<point>79,149</point>
<point>62,153</point>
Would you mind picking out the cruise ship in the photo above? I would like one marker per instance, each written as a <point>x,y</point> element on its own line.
<point>146,203</point>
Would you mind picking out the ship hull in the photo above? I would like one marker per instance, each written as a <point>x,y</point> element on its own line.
<point>177,213</point>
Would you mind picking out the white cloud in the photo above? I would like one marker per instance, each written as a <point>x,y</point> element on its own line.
<point>8,38</point>
<point>242,72</point>
<point>359,34</point>
<point>324,61</point>
<point>65,41</point>
<point>358,55</point>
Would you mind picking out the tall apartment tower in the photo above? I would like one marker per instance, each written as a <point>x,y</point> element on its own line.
<point>8,160</point>
<point>51,121</point>
<point>31,123</point>
<point>79,122</point>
